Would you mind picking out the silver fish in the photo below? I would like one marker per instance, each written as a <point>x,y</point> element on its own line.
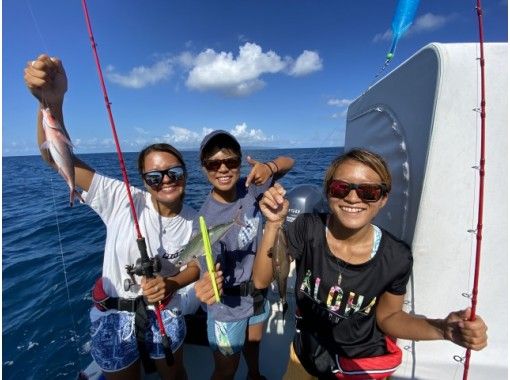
<point>60,149</point>
<point>281,266</point>
<point>195,247</point>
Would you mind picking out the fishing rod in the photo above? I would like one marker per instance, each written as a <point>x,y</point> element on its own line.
<point>481,168</point>
<point>146,266</point>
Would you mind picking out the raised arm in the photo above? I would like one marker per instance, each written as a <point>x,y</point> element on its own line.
<point>262,171</point>
<point>274,207</point>
<point>47,81</point>
<point>395,322</point>
<point>281,165</point>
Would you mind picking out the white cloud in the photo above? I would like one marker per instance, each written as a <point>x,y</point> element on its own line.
<point>308,62</point>
<point>425,23</point>
<point>386,36</point>
<point>340,115</point>
<point>233,75</point>
<point>220,71</point>
<point>141,76</point>
<point>245,135</point>
<point>184,136</point>
<point>339,102</point>
<point>240,76</point>
<point>429,22</point>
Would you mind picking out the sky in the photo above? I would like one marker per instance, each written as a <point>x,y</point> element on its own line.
<point>277,74</point>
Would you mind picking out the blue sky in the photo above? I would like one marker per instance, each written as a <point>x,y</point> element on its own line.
<point>275,73</point>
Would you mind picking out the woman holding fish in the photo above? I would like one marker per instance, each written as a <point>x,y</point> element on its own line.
<point>122,296</point>
<point>236,323</point>
<point>351,279</point>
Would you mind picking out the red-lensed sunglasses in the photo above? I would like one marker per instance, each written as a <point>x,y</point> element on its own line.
<point>367,192</point>
<point>215,165</point>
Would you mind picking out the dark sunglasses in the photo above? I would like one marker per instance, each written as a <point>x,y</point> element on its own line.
<point>215,165</point>
<point>155,177</point>
<point>366,192</point>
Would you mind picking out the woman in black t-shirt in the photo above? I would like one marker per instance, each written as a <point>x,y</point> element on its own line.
<point>351,279</point>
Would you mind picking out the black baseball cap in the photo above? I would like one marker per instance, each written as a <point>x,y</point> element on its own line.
<point>221,138</point>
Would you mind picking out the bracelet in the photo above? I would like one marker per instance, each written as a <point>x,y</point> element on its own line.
<point>276,166</point>
<point>269,166</point>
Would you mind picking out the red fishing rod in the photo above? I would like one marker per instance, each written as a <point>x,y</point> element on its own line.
<point>474,294</point>
<point>146,267</point>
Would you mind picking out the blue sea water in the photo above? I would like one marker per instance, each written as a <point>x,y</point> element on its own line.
<point>52,254</point>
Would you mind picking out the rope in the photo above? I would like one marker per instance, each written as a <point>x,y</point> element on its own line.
<point>479,226</point>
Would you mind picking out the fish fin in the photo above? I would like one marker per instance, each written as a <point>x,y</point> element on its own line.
<point>45,145</point>
<point>238,220</point>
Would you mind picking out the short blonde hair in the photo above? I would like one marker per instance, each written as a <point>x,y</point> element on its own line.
<point>365,157</point>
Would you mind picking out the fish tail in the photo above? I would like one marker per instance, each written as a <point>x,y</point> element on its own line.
<point>73,194</point>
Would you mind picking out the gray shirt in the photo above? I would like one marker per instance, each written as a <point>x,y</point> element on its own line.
<point>236,250</point>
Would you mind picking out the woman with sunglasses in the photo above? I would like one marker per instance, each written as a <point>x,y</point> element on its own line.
<point>165,223</point>
<point>236,323</point>
<point>351,279</point>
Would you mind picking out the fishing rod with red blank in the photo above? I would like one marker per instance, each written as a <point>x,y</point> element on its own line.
<point>481,169</point>
<point>145,266</point>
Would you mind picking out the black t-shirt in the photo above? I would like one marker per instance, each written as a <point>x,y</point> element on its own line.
<point>342,319</point>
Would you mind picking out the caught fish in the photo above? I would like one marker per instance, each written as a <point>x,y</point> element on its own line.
<point>281,266</point>
<point>195,247</point>
<point>60,149</point>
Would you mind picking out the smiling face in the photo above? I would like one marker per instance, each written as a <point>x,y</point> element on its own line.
<point>167,196</point>
<point>351,212</point>
<point>223,179</point>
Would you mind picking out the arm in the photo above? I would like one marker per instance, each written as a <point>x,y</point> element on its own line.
<point>46,80</point>
<point>158,287</point>
<point>394,322</point>
<point>274,207</point>
<point>204,289</point>
<point>281,165</point>
<point>262,171</point>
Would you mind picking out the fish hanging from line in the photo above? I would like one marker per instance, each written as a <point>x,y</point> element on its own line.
<point>281,266</point>
<point>60,149</point>
<point>402,20</point>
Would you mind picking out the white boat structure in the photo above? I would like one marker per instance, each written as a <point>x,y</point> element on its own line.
<point>422,117</point>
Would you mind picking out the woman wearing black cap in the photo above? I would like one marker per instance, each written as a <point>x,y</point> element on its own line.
<point>242,311</point>
<point>165,222</point>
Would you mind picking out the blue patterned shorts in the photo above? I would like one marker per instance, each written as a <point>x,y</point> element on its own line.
<point>114,345</point>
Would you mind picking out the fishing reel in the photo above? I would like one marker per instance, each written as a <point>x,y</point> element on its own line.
<point>145,268</point>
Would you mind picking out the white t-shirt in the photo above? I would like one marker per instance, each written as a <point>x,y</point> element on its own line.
<point>165,236</point>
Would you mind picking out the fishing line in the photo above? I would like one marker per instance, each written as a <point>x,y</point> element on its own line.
<point>57,221</point>
<point>64,269</point>
<point>36,24</point>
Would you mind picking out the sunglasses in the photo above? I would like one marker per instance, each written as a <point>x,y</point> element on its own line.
<point>215,165</point>
<point>366,192</point>
<point>155,177</point>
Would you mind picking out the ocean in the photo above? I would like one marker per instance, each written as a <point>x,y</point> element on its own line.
<point>52,254</point>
